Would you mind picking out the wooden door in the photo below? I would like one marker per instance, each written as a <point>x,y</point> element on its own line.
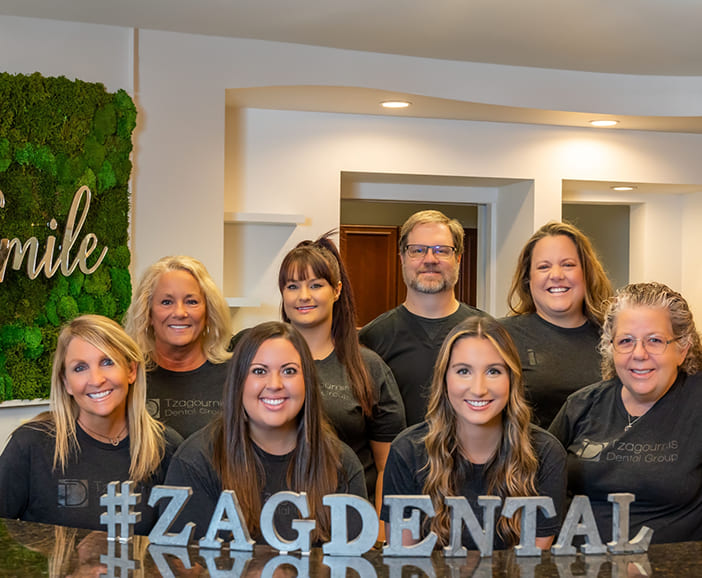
<point>370,255</point>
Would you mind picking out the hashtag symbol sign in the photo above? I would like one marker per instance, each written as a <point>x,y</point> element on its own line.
<point>119,511</point>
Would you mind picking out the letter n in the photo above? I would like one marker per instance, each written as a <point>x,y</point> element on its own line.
<point>462,513</point>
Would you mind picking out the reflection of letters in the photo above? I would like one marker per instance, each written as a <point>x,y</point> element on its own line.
<point>73,493</point>
<point>159,558</point>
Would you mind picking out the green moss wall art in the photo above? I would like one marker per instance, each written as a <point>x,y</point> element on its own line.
<point>64,213</point>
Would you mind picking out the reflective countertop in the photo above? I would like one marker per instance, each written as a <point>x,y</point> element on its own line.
<point>29,549</point>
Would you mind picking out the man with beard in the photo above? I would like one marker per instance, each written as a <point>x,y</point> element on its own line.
<point>409,337</point>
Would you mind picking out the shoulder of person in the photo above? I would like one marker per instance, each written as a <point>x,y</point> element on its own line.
<point>545,442</point>
<point>466,311</point>
<point>379,323</point>
<point>593,393</point>
<point>412,437</point>
<point>198,447</point>
<point>173,439</point>
<point>374,362</point>
<point>31,433</point>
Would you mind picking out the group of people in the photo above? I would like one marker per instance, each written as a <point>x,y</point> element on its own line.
<point>311,404</point>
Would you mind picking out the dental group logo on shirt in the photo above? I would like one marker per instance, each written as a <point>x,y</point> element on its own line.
<point>153,406</point>
<point>73,493</point>
<point>590,450</point>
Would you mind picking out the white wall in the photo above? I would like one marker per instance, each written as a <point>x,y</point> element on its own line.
<point>292,161</point>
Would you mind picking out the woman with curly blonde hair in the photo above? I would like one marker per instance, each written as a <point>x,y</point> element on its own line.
<point>478,438</point>
<point>639,430</point>
<point>181,321</point>
<point>55,467</point>
<point>556,306</point>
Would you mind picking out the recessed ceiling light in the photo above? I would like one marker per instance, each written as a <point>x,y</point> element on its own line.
<point>395,103</point>
<point>604,122</point>
<point>623,188</point>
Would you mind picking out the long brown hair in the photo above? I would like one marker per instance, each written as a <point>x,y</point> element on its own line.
<point>598,288</point>
<point>316,459</point>
<point>512,470</point>
<point>323,259</point>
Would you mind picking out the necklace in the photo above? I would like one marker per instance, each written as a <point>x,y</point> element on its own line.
<point>113,440</point>
<point>631,421</point>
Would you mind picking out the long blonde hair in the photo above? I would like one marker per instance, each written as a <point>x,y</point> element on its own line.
<point>218,330</point>
<point>146,435</point>
<point>598,287</point>
<point>512,470</point>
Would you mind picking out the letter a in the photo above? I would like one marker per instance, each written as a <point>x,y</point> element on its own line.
<point>227,516</point>
<point>579,521</point>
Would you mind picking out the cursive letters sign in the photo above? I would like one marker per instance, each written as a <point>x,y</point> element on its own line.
<point>30,248</point>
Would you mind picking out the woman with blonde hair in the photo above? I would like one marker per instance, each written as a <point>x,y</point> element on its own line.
<point>272,436</point>
<point>639,430</point>
<point>477,438</point>
<point>556,303</point>
<point>182,323</point>
<point>55,467</point>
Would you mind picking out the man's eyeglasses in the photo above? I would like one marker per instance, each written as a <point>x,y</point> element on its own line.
<point>655,344</point>
<point>443,252</point>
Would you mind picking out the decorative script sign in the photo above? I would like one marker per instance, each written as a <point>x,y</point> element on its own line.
<point>49,263</point>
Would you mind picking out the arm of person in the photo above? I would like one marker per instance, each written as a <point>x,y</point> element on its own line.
<point>399,479</point>
<point>552,482</point>
<point>14,479</point>
<point>545,542</point>
<point>380,457</point>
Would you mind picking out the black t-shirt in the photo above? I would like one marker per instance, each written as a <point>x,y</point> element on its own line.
<point>556,361</point>
<point>31,490</point>
<point>345,413</point>
<point>186,400</point>
<point>406,474</point>
<point>659,459</point>
<point>192,466</point>
<point>409,344</point>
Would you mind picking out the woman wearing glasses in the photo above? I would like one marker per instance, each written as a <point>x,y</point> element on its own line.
<point>557,305</point>
<point>640,430</point>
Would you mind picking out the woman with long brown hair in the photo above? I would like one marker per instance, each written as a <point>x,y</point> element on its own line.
<point>477,439</point>
<point>271,436</point>
<point>359,393</point>
<point>557,301</point>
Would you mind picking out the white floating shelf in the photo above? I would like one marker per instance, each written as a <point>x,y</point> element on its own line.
<point>265,218</point>
<point>242,302</point>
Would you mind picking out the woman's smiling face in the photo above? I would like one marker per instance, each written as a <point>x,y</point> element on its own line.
<point>274,390</point>
<point>477,383</point>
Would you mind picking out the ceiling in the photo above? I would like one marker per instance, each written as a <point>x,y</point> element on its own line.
<point>642,37</point>
<point>658,37</point>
